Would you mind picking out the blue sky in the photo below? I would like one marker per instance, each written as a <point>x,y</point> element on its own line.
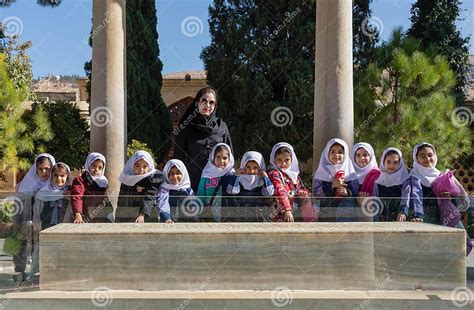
<point>58,34</point>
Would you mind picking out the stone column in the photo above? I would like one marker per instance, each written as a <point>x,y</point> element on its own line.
<point>108,93</point>
<point>333,100</point>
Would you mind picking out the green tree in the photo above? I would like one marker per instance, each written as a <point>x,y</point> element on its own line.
<point>70,143</point>
<point>261,60</point>
<point>366,31</point>
<point>408,98</point>
<point>434,23</point>
<point>15,136</point>
<point>148,118</point>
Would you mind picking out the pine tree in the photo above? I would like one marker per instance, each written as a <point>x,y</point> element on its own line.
<point>408,98</point>
<point>434,24</point>
<point>15,136</point>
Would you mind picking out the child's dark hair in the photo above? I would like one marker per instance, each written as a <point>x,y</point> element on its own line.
<point>43,159</point>
<point>282,150</point>
<point>391,152</point>
<point>221,148</point>
<point>335,144</point>
<point>58,166</point>
<point>423,146</point>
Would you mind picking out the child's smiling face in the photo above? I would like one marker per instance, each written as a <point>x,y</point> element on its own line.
<point>221,159</point>
<point>251,167</point>
<point>391,162</point>
<point>283,160</point>
<point>96,168</point>
<point>426,157</point>
<point>175,176</point>
<point>60,177</point>
<point>362,157</point>
<point>140,167</point>
<point>336,154</point>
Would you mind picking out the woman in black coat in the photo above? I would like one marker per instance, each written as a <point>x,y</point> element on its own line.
<point>198,131</point>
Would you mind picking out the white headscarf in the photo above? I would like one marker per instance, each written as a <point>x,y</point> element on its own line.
<point>128,176</point>
<point>326,170</point>
<point>52,192</point>
<point>251,181</point>
<point>362,172</point>
<point>395,178</point>
<point>101,180</point>
<point>185,182</point>
<point>424,174</point>
<point>32,182</point>
<point>211,170</point>
<point>294,170</point>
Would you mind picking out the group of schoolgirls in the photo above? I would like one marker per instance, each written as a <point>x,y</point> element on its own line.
<point>342,182</point>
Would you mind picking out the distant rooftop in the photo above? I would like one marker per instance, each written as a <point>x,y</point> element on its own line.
<point>194,75</point>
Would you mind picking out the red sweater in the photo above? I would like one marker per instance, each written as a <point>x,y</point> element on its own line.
<point>285,192</point>
<point>85,194</point>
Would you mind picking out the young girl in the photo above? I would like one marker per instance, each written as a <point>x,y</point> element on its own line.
<point>327,182</point>
<point>50,205</point>
<point>251,182</point>
<point>423,174</point>
<point>216,175</point>
<point>175,188</point>
<point>140,184</point>
<point>284,174</point>
<point>88,189</point>
<point>35,179</point>
<point>366,168</point>
<point>393,186</point>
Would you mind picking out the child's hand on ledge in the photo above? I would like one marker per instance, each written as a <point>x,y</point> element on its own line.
<point>288,217</point>
<point>401,217</point>
<point>78,219</point>
<point>140,219</point>
<point>417,220</point>
<point>169,221</point>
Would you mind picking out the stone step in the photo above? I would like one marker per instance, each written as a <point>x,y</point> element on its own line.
<point>244,299</point>
<point>255,256</point>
